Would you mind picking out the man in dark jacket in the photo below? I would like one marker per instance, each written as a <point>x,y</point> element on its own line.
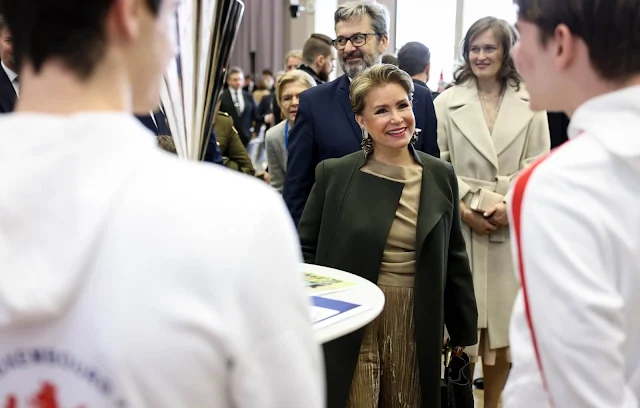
<point>318,58</point>
<point>415,59</point>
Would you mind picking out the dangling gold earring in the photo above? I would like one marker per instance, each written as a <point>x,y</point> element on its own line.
<point>367,143</point>
<point>414,137</point>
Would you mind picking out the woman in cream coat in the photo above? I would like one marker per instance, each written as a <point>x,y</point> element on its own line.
<point>488,132</point>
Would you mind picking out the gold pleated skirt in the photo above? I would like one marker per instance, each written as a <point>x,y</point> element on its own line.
<point>386,375</point>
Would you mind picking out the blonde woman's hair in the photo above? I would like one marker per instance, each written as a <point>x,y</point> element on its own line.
<point>293,53</point>
<point>375,77</point>
<point>295,76</point>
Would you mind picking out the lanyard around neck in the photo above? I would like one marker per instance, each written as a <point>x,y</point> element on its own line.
<point>286,134</point>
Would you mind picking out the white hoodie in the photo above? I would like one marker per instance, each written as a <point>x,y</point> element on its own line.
<point>580,247</point>
<point>129,278</point>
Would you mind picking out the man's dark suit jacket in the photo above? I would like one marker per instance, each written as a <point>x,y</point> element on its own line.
<point>326,128</point>
<point>7,93</point>
<point>244,122</point>
<point>424,84</point>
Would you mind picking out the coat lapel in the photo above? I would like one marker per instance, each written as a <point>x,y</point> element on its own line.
<point>514,115</point>
<point>468,116</point>
<point>369,207</point>
<point>228,101</point>
<point>346,106</point>
<point>433,205</point>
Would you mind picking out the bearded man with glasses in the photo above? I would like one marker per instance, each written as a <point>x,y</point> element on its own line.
<point>325,125</point>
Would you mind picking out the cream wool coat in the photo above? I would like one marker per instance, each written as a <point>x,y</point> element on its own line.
<point>490,161</point>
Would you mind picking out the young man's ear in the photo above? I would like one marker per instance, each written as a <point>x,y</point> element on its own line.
<point>566,47</point>
<point>123,20</point>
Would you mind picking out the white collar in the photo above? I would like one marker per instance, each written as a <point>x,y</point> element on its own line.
<point>10,73</point>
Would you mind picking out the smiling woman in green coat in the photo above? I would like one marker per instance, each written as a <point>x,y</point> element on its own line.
<point>391,215</point>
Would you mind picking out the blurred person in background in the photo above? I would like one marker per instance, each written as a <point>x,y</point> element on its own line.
<point>240,106</point>
<point>318,56</point>
<point>415,59</point>
<point>288,91</point>
<point>390,59</point>
<point>9,83</point>
<point>292,60</point>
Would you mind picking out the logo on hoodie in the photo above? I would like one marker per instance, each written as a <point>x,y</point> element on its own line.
<point>25,381</point>
<point>45,397</point>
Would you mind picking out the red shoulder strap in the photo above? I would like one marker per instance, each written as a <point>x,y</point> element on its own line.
<point>517,198</point>
<point>518,195</point>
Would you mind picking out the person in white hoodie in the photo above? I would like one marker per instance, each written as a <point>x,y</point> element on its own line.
<point>126,275</point>
<point>575,329</point>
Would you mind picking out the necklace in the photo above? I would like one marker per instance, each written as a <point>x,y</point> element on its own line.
<point>490,117</point>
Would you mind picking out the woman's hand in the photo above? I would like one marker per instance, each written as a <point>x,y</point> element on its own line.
<point>498,215</point>
<point>477,222</point>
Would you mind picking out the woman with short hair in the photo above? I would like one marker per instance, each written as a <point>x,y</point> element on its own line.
<point>288,91</point>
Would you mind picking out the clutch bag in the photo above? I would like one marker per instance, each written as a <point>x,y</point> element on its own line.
<point>484,200</point>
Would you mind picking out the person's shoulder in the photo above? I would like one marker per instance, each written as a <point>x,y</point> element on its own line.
<point>433,162</point>
<point>442,101</point>
<point>578,169</point>
<point>186,196</point>
<point>224,119</point>
<point>275,132</point>
<point>441,170</point>
<point>421,90</point>
<point>576,157</point>
<point>322,90</point>
<point>337,167</point>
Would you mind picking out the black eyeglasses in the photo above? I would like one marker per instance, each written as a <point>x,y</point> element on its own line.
<point>358,40</point>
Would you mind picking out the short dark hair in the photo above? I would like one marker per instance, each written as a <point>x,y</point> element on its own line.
<point>71,30</point>
<point>507,37</point>
<point>414,57</point>
<point>389,59</point>
<point>267,72</point>
<point>317,44</point>
<point>3,24</point>
<point>609,28</point>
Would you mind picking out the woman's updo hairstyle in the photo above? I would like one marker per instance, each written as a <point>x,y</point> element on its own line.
<point>374,77</point>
